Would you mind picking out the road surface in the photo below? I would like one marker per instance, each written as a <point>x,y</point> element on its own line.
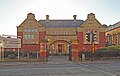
<point>59,66</point>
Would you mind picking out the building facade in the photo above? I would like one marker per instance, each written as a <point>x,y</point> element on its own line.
<point>59,36</point>
<point>113,34</point>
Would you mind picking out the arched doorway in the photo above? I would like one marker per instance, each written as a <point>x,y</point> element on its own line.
<point>59,51</point>
<point>59,47</point>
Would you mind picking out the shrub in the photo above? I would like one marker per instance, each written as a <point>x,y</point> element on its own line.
<point>111,51</point>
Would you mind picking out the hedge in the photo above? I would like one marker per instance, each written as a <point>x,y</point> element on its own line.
<point>103,53</point>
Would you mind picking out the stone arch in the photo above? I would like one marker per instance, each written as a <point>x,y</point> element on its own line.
<point>59,47</point>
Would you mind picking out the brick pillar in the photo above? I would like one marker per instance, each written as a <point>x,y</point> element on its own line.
<point>75,50</point>
<point>43,51</point>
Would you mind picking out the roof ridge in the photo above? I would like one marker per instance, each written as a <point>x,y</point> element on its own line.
<point>61,20</point>
<point>61,23</point>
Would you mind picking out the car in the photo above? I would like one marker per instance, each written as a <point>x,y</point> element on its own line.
<point>11,56</point>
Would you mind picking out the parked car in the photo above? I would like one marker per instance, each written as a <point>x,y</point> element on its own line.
<point>11,56</point>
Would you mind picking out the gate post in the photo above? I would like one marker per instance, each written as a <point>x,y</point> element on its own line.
<point>75,51</point>
<point>43,51</point>
<point>70,52</point>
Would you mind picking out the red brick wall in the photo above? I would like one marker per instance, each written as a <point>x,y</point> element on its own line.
<point>20,34</point>
<point>34,47</point>
<point>74,54</point>
<point>10,49</point>
<point>42,35</point>
<point>43,54</point>
<point>74,51</point>
<point>102,39</point>
<point>80,40</point>
<point>74,46</point>
<point>82,46</point>
<point>26,47</point>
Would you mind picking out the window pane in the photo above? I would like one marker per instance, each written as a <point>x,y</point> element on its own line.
<point>32,36</point>
<point>28,30</point>
<point>35,30</point>
<point>25,30</point>
<point>25,36</point>
<point>32,30</point>
<point>28,36</point>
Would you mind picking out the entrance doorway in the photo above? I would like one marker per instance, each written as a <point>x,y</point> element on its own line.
<point>59,48</point>
<point>59,51</point>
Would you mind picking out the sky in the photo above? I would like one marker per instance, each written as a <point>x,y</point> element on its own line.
<point>14,12</point>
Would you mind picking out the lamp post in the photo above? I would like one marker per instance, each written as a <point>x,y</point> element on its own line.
<point>19,37</point>
<point>119,52</point>
<point>1,48</point>
<point>0,51</point>
<point>47,49</point>
<point>70,51</point>
<point>18,53</point>
<point>83,54</point>
<point>93,45</point>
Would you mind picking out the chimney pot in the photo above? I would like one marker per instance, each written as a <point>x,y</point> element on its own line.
<point>47,17</point>
<point>74,17</point>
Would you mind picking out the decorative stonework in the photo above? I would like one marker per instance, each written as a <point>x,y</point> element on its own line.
<point>60,33</point>
<point>91,24</point>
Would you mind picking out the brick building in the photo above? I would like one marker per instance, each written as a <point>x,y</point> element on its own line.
<point>113,34</point>
<point>59,35</point>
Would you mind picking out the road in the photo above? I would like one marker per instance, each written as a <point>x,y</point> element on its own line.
<point>59,66</point>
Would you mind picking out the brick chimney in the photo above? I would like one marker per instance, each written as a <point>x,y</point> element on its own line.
<point>47,17</point>
<point>74,17</point>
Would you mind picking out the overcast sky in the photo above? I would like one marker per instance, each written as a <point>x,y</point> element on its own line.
<point>14,12</point>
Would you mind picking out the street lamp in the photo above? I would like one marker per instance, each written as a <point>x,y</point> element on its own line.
<point>119,53</point>
<point>93,44</point>
<point>1,45</point>
<point>47,49</point>
<point>70,51</point>
<point>1,50</point>
<point>83,54</point>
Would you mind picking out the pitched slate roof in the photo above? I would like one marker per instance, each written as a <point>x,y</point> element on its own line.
<point>114,26</point>
<point>61,23</point>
